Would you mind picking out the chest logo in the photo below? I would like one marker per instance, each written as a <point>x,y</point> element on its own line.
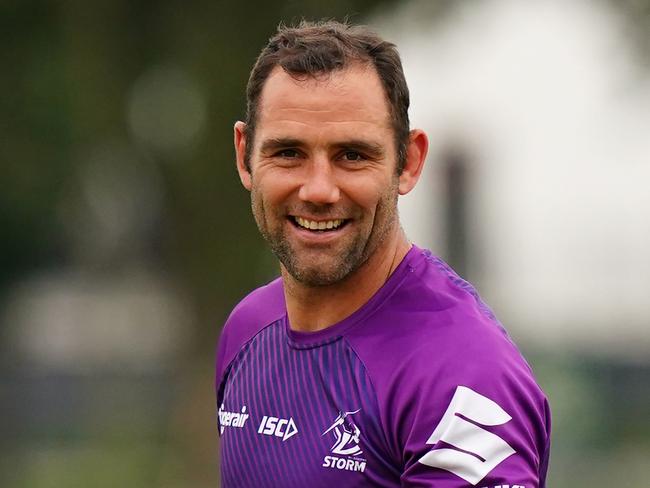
<point>346,443</point>
<point>278,427</point>
<point>347,435</point>
<point>474,451</point>
<point>232,419</point>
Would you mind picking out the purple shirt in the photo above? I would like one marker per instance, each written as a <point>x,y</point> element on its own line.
<point>420,387</point>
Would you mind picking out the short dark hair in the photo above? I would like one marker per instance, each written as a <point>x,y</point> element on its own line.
<point>311,49</point>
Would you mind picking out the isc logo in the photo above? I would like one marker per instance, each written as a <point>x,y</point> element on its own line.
<point>278,427</point>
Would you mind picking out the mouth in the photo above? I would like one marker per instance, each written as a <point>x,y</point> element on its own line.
<point>318,226</point>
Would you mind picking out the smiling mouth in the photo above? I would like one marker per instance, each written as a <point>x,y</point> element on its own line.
<point>318,225</point>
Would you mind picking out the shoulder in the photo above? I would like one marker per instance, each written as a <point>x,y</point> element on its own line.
<point>443,367</point>
<point>263,303</point>
<point>261,307</point>
<point>432,312</point>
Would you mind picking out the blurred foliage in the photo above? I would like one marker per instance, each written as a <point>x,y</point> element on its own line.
<point>68,69</point>
<point>637,14</point>
<point>600,435</point>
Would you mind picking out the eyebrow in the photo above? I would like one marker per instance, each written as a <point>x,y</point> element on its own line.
<point>361,146</point>
<point>365,147</point>
<point>279,143</point>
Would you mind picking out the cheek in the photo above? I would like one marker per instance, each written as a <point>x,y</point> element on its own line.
<point>268,199</point>
<point>257,206</point>
<point>374,193</point>
<point>271,187</point>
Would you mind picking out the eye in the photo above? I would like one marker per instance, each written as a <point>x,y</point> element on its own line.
<point>352,156</point>
<point>287,153</point>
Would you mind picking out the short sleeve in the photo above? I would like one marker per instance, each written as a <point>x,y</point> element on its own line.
<point>484,424</point>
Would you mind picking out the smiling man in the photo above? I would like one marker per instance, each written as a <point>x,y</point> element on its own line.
<point>369,362</point>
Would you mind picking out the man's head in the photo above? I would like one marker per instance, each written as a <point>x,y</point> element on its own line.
<point>313,50</point>
<point>321,161</point>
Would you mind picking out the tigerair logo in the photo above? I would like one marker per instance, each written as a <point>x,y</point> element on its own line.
<point>232,419</point>
<point>278,427</point>
<point>346,443</point>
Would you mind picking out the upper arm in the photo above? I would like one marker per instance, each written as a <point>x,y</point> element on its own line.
<point>476,443</point>
<point>485,428</point>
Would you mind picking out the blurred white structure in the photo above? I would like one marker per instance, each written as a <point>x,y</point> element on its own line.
<point>553,110</point>
<point>79,322</point>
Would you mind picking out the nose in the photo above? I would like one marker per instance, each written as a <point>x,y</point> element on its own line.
<point>319,185</point>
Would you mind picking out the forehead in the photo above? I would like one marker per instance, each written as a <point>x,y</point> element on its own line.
<point>349,99</point>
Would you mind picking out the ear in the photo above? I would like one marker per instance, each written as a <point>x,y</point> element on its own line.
<point>416,153</point>
<point>240,151</point>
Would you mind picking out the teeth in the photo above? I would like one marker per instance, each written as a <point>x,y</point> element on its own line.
<point>322,225</point>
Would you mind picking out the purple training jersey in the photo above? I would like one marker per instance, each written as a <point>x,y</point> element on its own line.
<point>420,387</point>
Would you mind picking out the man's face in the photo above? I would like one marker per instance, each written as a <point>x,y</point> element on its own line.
<point>323,172</point>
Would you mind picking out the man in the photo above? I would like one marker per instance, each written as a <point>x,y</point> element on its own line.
<point>369,362</point>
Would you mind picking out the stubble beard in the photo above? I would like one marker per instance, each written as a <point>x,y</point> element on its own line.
<point>356,253</point>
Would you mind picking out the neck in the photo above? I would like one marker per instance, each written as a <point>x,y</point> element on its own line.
<point>313,308</point>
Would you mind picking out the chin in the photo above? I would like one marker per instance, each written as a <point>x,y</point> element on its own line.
<point>314,275</point>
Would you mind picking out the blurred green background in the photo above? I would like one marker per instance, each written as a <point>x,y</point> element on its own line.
<point>126,239</point>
